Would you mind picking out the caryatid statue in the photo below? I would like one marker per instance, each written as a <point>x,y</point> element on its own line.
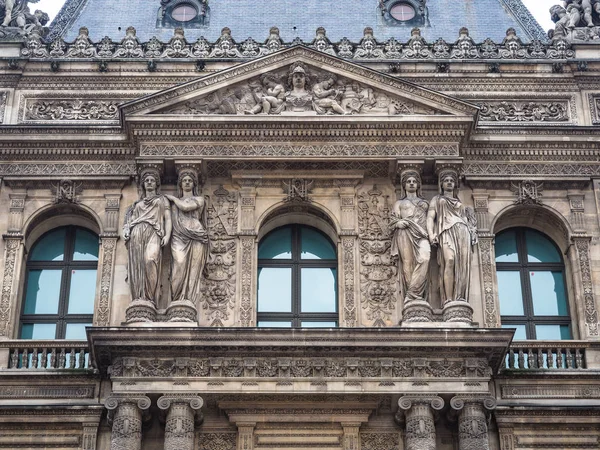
<point>189,247</point>
<point>410,244</point>
<point>147,230</point>
<point>451,227</point>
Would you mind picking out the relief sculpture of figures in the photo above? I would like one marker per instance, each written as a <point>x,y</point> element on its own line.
<point>147,230</point>
<point>189,247</point>
<point>452,228</point>
<point>410,244</point>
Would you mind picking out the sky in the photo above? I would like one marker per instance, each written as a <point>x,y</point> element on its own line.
<point>539,9</point>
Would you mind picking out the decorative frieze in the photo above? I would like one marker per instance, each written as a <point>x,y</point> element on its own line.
<point>535,391</point>
<point>68,169</point>
<point>516,112</point>
<point>529,169</point>
<point>47,391</point>
<point>69,110</point>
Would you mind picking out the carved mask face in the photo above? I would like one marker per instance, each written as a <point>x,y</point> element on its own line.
<point>411,185</point>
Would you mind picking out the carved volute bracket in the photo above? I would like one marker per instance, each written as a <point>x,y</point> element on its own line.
<point>126,414</point>
<point>472,420</point>
<point>420,420</point>
<point>182,414</point>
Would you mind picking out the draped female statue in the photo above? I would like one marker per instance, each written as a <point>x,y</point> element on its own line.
<point>189,247</point>
<point>147,230</point>
<point>452,227</point>
<point>410,245</point>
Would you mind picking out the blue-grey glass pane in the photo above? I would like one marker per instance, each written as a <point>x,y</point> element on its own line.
<point>509,293</point>
<point>38,331</point>
<point>76,330</point>
<point>315,245</point>
<point>276,245</point>
<point>520,332</point>
<point>265,324</point>
<point>275,289</point>
<point>506,247</point>
<point>540,248</point>
<point>319,324</point>
<point>86,246</point>
<point>548,293</point>
<point>552,332</point>
<point>51,247</point>
<point>82,292</point>
<point>318,290</point>
<point>43,292</point>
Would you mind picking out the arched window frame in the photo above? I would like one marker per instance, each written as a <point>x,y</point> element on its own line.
<point>296,316</point>
<point>62,318</point>
<point>529,319</point>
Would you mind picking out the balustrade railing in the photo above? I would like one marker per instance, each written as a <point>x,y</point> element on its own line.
<point>46,355</point>
<point>557,355</point>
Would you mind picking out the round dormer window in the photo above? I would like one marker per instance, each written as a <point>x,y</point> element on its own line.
<point>184,13</point>
<point>403,12</point>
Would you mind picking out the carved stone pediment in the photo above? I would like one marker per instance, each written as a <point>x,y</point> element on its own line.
<point>298,81</point>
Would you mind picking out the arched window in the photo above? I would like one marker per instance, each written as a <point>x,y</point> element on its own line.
<point>60,285</point>
<point>531,285</point>
<point>297,279</point>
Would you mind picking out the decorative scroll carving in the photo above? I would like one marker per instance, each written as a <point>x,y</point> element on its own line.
<point>218,289</point>
<point>11,252</point>
<point>488,270</point>
<point>377,273</point>
<point>246,312</point>
<point>71,110</point>
<point>589,301</point>
<point>350,310</point>
<point>108,246</point>
<point>524,112</point>
<point>66,191</point>
<point>216,441</point>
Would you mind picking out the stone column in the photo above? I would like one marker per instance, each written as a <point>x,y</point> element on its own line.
<point>472,421</point>
<point>245,436</point>
<point>420,421</point>
<point>182,413</point>
<point>125,414</point>
<point>351,437</point>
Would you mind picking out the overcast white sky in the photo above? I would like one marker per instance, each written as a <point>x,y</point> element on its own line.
<point>539,8</point>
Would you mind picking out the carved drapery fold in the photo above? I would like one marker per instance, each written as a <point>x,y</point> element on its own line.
<point>583,286</point>
<point>487,272</point>
<point>472,421</point>
<point>126,415</point>
<point>108,245</point>
<point>245,436</point>
<point>13,255</point>
<point>180,421</point>
<point>420,421</point>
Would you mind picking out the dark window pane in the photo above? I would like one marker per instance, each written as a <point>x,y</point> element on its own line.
<point>86,246</point>
<point>76,331</point>
<point>506,247</point>
<point>266,324</point>
<point>552,332</point>
<point>319,324</point>
<point>548,291</point>
<point>318,290</point>
<point>276,245</point>
<point>315,245</point>
<point>540,248</point>
<point>82,292</point>
<point>38,331</point>
<point>509,293</point>
<point>43,292</point>
<point>51,247</point>
<point>520,332</point>
<point>275,289</point>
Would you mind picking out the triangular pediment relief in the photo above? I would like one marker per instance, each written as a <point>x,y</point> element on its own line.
<point>298,82</point>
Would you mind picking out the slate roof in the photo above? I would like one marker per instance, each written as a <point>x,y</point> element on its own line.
<point>298,19</point>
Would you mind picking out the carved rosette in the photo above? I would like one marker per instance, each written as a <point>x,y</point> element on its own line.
<point>126,415</point>
<point>180,422</point>
<point>420,422</point>
<point>472,421</point>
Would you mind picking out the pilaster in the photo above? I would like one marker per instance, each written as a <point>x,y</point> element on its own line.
<point>247,291</point>
<point>583,286</point>
<point>245,435</point>
<point>13,257</point>
<point>487,274</point>
<point>90,433</point>
<point>420,420</point>
<point>351,436</point>
<point>125,414</point>
<point>182,414</point>
<point>349,257</point>
<point>507,438</point>
<point>108,245</point>
<point>472,421</point>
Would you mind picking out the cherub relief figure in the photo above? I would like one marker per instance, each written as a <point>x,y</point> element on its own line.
<point>326,97</point>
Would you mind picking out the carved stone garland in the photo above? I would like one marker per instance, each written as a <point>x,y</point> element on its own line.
<point>377,274</point>
<point>218,289</point>
<point>125,414</point>
<point>180,422</point>
<point>589,301</point>
<point>420,423</point>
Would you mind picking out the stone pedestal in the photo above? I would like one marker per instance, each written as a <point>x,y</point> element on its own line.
<point>458,311</point>
<point>417,311</point>
<point>182,311</point>
<point>420,421</point>
<point>126,414</point>
<point>472,421</point>
<point>180,422</point>
<point>140,311</point>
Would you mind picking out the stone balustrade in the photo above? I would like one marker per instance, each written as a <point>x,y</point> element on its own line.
<point>557,355</point>
<point>44,355</point>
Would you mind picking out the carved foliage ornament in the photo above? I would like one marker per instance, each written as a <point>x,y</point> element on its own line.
<point>524,112</point>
